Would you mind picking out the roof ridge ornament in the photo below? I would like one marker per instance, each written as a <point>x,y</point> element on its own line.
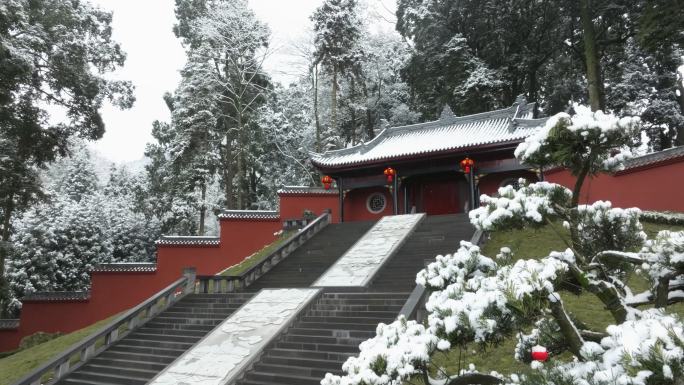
<point>447,113</point>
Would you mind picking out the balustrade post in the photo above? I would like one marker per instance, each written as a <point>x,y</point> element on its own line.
<point>151,311</point>
<point>230,286</point>
<point>61,370</point>
<point>169,299</point>
<point>111,337</point>
<point>191,274</point>
<point>87,353</point>
<point>217,285</point>
<point>133,322</point>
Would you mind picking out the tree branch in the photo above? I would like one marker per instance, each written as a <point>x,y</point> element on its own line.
<point>472,378</point>
<point>571,334</point>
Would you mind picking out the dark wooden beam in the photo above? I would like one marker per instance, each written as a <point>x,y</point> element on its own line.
<point>339,184</point>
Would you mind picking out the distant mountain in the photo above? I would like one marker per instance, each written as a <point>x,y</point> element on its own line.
<point>137,166</point>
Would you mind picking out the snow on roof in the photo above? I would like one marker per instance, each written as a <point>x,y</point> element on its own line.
<point>57,296</point>
<point>507,125</point>
<point>655,157</point>
<point>249,214</point>
<point>125,267</point>
<point>9,324</point>
<point>307,190</point>
<point>181,240</point>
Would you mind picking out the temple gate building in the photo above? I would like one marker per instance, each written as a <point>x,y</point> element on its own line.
<point>427,159</point>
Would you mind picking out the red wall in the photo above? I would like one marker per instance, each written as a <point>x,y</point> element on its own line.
<point>659,188</point>
<point>355,209</point>
<point>292,205</point>
<point>114,292</point>
<point>490,183</point>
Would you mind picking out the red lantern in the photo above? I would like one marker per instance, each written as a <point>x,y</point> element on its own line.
<point>389,172</point>
<point>327,180</point>
<point>539,353</point>
<point>467,164</point>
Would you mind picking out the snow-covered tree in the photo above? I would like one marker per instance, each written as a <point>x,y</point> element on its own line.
<point>337,29</point>
<point>475,300</point>
<point>79,224</point>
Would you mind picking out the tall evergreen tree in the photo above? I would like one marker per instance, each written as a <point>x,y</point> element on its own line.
<point>57,53</point>
<point>337,31</point>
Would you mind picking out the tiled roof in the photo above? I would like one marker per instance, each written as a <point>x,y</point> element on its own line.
<point>9,324</point>
<point>249,214</point>
<point>659,156</point>
<point>125,267</point>
<point>507,125</point>
<point>307,190</point>
<point>180,240</point>
<point>57,296</point>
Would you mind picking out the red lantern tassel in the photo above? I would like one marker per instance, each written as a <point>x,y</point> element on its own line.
<point>327,185</point>
<point>389,178</point>
<point>467,170</point>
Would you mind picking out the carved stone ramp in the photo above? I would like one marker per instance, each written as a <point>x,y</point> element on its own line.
<point>232,347</point>
<point>137,358</point>
<point>437,235</point>
<point>359,265</point>
<point>305,264</point>
<point>332,329</point>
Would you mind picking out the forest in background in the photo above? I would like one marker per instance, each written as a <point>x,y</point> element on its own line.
<point>236,136</point>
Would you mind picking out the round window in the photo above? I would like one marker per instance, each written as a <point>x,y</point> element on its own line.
<point>376,203</point>
<point>515,182</point>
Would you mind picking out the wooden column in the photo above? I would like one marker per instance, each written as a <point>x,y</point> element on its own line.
<point>406,201</point>
<point>395,196</point>
<point>341,188</point>
<point>471,180</point>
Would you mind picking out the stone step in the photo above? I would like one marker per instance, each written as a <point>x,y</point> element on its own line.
<point>102,378</point>
<point>147,350</point>
<point>323,340</point>
<point>361,334</point>
<point>317,347</point>
<point>336,326</point>
<point>112,355</point>
<point>297,370</point>
<point>168,326</point>
<point>394,308</point>
<point>316,355</point>
<point>281,378</point>
<point>362,302</point>
<point>133,364</point>
<point>349,314</point>
<point>302,362</point>
<point>119,371</point>
<point>165,337</point>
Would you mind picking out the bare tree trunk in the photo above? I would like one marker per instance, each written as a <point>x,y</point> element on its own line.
<point>679,141</point>
<point>6,231</point>
<point>353,112</point>
<point>319,148</point>
<point>203,210</point>
<point>333,115</point>
<point>593,66</point>
<point>228,169</point>
<point>241,167</point>
<point>369,115</point>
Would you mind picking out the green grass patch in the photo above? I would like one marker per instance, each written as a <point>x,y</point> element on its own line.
<point>14,367</point>
<point>538,243</point>
<point>22,362</point>
<point>254,258</point>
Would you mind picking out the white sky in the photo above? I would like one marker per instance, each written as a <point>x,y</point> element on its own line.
<point>143,28</point>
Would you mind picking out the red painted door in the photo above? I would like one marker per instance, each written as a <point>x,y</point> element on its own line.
<point>440,196</point>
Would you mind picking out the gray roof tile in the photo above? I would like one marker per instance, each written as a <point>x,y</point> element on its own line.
<point>254,214</point>
<point>9,324</point>
<point>442,135</point>
<point>134,267</point>
<point>56,296</point>
<point>307,190</point>
<point>181,240</point>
